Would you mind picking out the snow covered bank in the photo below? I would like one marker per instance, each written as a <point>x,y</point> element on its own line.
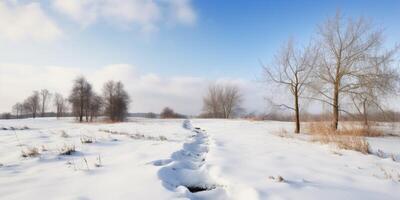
<point>249,153</point>
<point>160,159</point>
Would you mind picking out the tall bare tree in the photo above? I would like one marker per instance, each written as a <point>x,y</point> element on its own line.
<point>116,100</point>
<point>346,47</point>
<point>45,95</point>
<point>292,70</point>
<point>375,86</point>
<point>222,101</point>
<point>61,105</point>
<point>211,102</point>
<point>95,106</point>
<point>32,103</point>
<point>17,110</point>
<point>80,98</point>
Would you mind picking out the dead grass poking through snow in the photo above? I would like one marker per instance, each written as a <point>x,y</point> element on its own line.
<point>67,150</point>
<point>350,137</point>
<point>30,152</point>
<point>349,129</point>
<point>87,140</point>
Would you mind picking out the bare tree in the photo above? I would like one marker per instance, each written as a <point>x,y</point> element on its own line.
<point>347,45</point>
<point>61,105</point>
<point>291,70</point>
<point>222,101</point>
<point>17,110</point>
<point>211,102</point>
<point>44,96</point>
<point>80,98</point>
<point>31,104</point>
<point>167,113</point>
<point>375,86</point>
<point>116,100</point>
<point>95,105</point>
<point>170,113</point>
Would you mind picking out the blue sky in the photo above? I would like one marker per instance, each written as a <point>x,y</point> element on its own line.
<point>221,38</point>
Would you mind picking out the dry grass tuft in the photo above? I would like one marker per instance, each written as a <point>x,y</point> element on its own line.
<point>30,152</point>
<point>67,150</point>
<point>344,142</point>
<point>87,140</point>
<point>277,178</point>
<point>349,137</point>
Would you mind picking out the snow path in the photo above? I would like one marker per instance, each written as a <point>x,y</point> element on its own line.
<point>188,174</point>
<point>187,171</point>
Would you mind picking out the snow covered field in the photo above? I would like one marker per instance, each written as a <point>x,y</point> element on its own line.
<point>162,159</point>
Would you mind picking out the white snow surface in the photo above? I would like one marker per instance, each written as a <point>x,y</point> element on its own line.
<point>165,159</point>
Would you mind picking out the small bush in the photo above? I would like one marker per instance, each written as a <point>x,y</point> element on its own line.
<point>67,150</point>
<point>30,152</point>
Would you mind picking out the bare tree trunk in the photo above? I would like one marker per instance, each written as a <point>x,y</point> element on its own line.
<point>365,114</point>
<point>81,113</point>
<point>297,111</point>
<point>335,107</point>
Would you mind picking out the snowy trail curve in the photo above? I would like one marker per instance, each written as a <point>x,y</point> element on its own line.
<point>188,174</point>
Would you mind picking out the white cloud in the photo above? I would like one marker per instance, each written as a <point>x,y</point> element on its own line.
<point>147,14</point>
<point>28,21</point>
<point>149,92</point>
<point>182,11</point>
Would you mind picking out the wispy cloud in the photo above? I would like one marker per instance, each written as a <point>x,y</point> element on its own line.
<point>26,21</point>
<point>146,14</point>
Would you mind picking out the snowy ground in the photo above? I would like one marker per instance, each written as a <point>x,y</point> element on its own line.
<point>162,159</point>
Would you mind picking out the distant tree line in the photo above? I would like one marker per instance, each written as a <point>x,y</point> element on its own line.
<point>83,102</point>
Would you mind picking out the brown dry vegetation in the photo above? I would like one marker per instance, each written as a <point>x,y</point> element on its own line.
<point>30,152</point>
<point>349,129</point>
<point>350,136</point>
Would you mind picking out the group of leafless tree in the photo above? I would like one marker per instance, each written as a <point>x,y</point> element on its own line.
<point>86,104</point>
<point>222,101</point>
<point>168,112</point>
<point>346,67</point>
<point>37,103</point>
<point>116,100</point>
